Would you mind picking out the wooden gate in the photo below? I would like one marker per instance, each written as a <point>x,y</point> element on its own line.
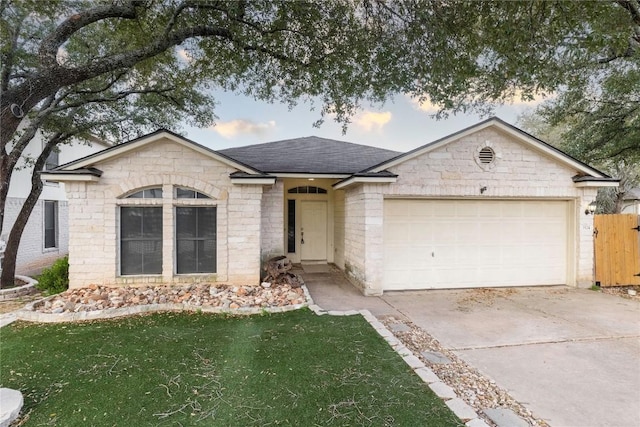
<point>617,249</point>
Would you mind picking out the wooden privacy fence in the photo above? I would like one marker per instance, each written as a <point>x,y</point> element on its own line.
<point>617,249</point>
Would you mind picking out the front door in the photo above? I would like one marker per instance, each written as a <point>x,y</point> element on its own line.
<point>313,231</point>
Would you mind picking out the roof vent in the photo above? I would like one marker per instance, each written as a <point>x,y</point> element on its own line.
<point>486,155</point>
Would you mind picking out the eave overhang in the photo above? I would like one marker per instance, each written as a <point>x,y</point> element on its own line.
<point>85,174</point>
<point>242,178</point>
<point>364,178</point>
<point>595,182</point>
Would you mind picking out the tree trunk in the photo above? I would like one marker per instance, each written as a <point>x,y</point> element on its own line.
<point>619,202</point>
<point>13,243</point>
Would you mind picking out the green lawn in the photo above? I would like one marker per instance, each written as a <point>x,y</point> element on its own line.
<point>295,369</point>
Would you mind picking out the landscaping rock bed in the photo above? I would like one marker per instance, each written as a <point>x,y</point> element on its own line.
<point>96,298</point>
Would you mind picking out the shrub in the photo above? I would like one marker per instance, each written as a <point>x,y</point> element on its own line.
<point>55,279</point>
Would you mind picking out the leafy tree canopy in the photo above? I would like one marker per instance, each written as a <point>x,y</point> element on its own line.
<point>116,68</point>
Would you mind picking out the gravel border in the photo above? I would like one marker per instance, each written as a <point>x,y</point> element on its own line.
<point>31,314</point>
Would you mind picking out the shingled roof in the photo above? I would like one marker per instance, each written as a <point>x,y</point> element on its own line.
<point>310,154</point>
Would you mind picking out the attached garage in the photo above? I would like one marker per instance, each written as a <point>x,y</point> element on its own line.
<point>435,244</point>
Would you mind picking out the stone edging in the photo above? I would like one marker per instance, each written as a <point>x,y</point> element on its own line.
<point>6,294</point>
<point>30,315</point>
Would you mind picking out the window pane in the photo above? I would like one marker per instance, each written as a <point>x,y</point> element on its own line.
<point>152,257</point>
<point>153,193</point>
<point>50,220</point>
<point>186,223</point>
<point>206,223</point>
<point>207,256</point>
<point>152,222</point>
<point>140,240</point>
<point>291,226</point>
<point>131,257</point>
<point>183,193</point>
<point>196,240</point>
<point>131,223</point>
<point>187,258</point>
<point>149,193</point>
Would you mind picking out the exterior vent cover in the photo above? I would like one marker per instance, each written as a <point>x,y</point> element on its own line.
<point>486,156</point>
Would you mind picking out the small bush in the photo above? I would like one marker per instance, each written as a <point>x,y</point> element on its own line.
<point>55,279</point>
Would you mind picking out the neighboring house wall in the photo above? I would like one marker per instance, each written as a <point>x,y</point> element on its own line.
<point>95,207</point>
<point>32,254</point>
<point>451,171</point>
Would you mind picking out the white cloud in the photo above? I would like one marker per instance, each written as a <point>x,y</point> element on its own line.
<point>234,128</point>
<point>426,105</point>
<point>372,121</point>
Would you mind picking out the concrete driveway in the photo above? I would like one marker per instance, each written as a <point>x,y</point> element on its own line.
<point>571,356</point>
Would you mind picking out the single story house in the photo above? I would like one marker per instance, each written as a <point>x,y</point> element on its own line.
<point>487,206</point>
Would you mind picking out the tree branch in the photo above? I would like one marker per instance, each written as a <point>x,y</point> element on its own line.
<point>50,45</point>
<point>116,97</point>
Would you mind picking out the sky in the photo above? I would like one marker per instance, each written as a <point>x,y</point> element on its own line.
<point>401,125</point>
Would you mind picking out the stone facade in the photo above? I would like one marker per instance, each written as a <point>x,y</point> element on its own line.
<point>252,218</point>
<point>452,171</point>
<point>94,207</point>
<point>272,239</point>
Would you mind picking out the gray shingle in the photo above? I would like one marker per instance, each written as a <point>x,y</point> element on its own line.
<point>309,155</point>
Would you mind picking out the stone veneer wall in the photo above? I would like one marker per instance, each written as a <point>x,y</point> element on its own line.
<point>272,240</point>
<point>339,228</point>
<point>451,171</point>
<point>94,215</point>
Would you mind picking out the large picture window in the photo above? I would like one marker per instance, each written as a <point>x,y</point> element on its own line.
<point>196,239</point>
<point>140,240</point>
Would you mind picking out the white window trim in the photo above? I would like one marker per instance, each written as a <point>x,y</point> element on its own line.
<point>56,225</point>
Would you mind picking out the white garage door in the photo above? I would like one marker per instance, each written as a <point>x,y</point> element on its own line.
<point>435,244</point>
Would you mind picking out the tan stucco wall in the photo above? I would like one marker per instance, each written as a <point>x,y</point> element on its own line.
<point>451,171</point>
<point>94,213</point>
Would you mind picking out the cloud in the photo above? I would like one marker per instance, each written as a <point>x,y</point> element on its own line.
<point>371,121</point>
<point>234,128</point>
<point>426,105</point>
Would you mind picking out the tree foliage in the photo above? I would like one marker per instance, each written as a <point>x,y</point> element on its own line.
<point>561,135</point>
<point>118,68</point>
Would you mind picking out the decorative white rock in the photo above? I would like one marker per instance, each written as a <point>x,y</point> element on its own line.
<point>10,405</point>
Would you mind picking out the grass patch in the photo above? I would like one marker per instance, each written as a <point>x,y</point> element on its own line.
<point>290,369</point>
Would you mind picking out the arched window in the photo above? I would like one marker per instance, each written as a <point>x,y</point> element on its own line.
<point>186,193</point>
<point>307,189</point>
<point>147,193</point>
